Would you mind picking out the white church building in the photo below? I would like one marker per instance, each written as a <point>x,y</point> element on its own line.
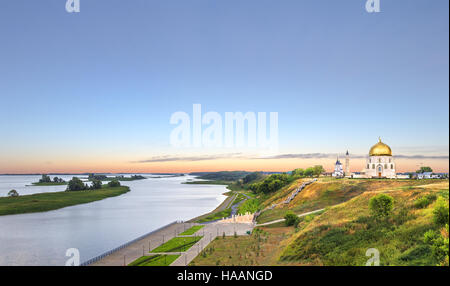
<point>338,170</point>
<point>380,163</point>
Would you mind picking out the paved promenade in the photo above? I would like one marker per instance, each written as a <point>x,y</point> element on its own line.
<point>209,233</point>
<point>140,247</point>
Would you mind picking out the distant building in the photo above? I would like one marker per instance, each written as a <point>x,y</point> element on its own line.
<point>347,165</point>
<point>380,163</point>
<point>338,170</point>
<point>430,175</point>
<point>403,176</point>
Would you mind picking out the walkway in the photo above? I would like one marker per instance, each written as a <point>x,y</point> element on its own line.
<point>139,248</point>
<point>209,233</point>
<point>282,219</point>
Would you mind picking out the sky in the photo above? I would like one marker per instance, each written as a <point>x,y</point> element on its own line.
<point>94,91</point>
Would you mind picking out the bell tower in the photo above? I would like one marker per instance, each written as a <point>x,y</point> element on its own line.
<point>347,164</point>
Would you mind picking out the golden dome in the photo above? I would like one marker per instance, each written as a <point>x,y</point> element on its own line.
<point>380,149</point>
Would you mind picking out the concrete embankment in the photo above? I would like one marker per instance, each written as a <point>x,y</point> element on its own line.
<point>137,248</point>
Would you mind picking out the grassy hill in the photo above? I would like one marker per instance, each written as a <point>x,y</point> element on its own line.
<point>342,233</point>
<point>327,192</point>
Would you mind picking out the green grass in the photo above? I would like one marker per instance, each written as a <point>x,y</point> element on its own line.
<point>192,230</point>
<point>250,206</point>
<point>328,192</point>
<point>154,260</point>
<point>239,198</point>
<point>342,235</point>
<point>49,184</point>
<point>178,244</point>
<point>51,201</point>
<point>216,216</point>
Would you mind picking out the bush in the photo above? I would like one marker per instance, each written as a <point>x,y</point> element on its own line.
<point>75,185</point>
<point>425,201</point>
<point>440,212</point>
<point>270,184</point>
<point>291,219</point>
<point>13,193</point>
<point>113,184</point>
<point>421,203</point>
<point>439,244</point>
<point>402,216</point>
<point>381,205</point>
<point>96,184</point>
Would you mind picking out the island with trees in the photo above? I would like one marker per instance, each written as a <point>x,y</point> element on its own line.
<point>76,193</point>
<point>47,181</point>
<point>101,177</point>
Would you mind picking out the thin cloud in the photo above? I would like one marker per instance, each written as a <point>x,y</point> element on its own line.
<point>421,157</point>
<point>171,158</point>
<point>354,156</point>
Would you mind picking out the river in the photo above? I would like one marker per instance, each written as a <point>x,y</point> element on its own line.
<point>94,228</point>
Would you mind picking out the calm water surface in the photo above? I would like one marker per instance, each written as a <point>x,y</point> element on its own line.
<point>93,228</point>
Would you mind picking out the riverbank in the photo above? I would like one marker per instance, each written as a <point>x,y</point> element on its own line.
<point>235,197</point>
<point>52,201</point>
<point>216,182</point>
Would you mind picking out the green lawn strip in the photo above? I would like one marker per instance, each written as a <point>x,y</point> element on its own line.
<point>216,216</point>
<point>249,206</point>
<point>154,260</point>
<point>178,244</point>
<point>51,201</point>
<point>192,230</point>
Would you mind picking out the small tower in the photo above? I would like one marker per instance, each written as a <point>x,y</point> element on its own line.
<point>347,165</point>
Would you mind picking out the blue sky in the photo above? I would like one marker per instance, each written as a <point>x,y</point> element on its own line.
<point>106,80</point>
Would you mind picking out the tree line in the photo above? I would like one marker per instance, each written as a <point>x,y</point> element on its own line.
<point>274,182</point>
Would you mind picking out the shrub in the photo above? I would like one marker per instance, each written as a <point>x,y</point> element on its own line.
<point>439,244</point>
<point>402,216</point>
<point>381,205</point>
<point>270,184</point>
<point>113,184</point>
<point>75,185</point>
<point>96,184</point>
<point>425,201</point>
<point>291,219</point>
<point>421,203</point>
<point>440,212</point>
<point>431,197</point>
<point>13,193</point>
